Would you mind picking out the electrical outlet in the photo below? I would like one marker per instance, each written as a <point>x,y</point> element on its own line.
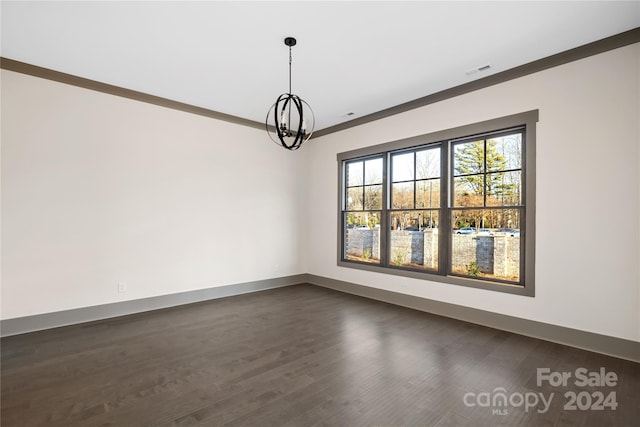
<point>122,287</point>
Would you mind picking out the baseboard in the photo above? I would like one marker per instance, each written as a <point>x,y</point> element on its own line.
<point>612,346</point>
<point>21,325</point>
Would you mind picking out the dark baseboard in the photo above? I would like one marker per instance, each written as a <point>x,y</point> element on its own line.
<point>21,325</point>
<point>612,346</point>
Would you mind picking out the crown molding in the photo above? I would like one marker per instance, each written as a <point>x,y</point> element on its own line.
<point>584,51</point>
<point>57,76</point>
<point>610,43</point>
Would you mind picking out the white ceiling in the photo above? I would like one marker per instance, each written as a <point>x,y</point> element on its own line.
<point>358,57</point>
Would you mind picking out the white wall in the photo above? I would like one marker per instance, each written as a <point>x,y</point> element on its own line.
<point>98,190</point>
<point>588,237</point>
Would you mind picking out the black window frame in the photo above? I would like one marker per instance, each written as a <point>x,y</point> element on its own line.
<point>446,139</point>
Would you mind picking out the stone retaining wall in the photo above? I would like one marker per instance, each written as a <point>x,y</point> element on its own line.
<point>415,247</point>
<point>497,255</point>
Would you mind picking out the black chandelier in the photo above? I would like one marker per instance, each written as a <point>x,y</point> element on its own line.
<point>292,119</point>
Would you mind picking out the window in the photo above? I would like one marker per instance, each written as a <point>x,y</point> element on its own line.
<point>456,206</point>
<point>415,208</point>
<point>363,209</point>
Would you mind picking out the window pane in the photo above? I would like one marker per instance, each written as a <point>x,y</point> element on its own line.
<point>354,173</point>
<point>505,152</point>
<point>468,191</point>
<point>428,193</point>
<point>362,237</point>
<point>373,171</point>
<point>414,219</point>
<point>467,221</point>
<point>402,167</point>
<point>373,197</point>
<point>414,239</point>
<point>363,220</point>
<point>485,219</point>
<point>428,164</point>
<point>485,243</point>
<point>354,199</point>
<point>504,221</point>
<point>468,158</point>
<point>402,195</point>
<point>504,189</point>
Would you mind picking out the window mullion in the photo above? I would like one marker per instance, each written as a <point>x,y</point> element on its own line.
<point>446,186</point>
<point>414,179</point>
<point>484,177</point>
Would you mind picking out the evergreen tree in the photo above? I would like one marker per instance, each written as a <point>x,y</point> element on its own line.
<point>479,167</point>
<point>478,164</point>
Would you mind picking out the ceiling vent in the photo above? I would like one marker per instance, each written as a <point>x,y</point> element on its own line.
<point>477,70</point>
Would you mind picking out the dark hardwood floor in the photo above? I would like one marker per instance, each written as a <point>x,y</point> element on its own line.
<point>300,356</point>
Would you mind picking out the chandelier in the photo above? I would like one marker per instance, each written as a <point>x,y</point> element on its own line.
<point>290,121</point>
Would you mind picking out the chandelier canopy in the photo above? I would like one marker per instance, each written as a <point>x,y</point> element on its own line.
<point>290,120</point>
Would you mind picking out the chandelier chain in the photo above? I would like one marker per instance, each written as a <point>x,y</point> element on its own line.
<point>289,69</point>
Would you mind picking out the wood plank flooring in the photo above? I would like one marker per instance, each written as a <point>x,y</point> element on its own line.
<point>297,356</point>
